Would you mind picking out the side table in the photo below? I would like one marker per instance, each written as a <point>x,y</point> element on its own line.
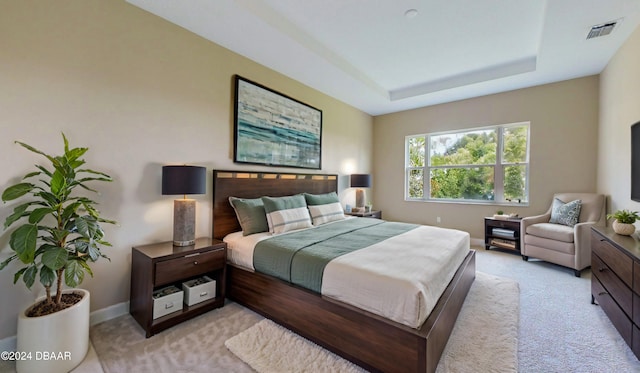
<point>159,265</point>
<point>371,214</point>
<point>504,234</point>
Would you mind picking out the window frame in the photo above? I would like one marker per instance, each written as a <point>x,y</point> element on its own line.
<point>498,167</point>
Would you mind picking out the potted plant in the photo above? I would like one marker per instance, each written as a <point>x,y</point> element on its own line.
<point>58,235</point>
<point>623,223</point>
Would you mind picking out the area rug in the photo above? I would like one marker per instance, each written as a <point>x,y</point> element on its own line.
<point>485,338</point>
<point>194,346</point>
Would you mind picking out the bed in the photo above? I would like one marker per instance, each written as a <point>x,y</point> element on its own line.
<point>363,337</point>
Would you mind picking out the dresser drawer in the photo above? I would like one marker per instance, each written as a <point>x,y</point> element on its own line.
<point>618,318</point>
<point>615,259</point>
<point>620,292</point>
<point>636,278</point>
<point>636,310</point>
<point>635,345</point>
<point>177,269</point>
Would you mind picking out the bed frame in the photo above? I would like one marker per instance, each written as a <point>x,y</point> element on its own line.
<point>366,339</point>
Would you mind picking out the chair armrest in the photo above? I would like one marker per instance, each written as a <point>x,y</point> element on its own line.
<point>544,218</point>
<point>529,220</point>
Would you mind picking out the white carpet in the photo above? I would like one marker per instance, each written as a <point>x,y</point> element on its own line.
<point>560,330</point>
<point>483,340</point>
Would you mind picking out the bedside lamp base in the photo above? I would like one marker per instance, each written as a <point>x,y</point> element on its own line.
<point>184,222</point>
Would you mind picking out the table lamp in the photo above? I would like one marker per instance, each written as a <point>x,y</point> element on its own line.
<point>360,181</point>
<point>184,180</point>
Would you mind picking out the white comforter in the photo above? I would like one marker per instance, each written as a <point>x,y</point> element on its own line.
<point>400,278</point>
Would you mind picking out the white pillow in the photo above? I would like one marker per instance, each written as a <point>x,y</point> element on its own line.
<point>286,213</point>
<point>321,214</point>
<point>288,220</point>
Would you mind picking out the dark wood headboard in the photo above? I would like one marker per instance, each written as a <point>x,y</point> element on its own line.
<point>248,184</point>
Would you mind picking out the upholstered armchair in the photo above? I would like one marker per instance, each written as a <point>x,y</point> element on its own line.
<point>553,238</point>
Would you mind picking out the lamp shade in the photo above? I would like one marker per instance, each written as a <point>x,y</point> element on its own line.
<point>361,180</point>
<point>184,180</point>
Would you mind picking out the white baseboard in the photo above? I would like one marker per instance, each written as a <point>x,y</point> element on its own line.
<point>109,313</point>
<point>96,317</point>
<point>8,344</point>
<point>477,242</point>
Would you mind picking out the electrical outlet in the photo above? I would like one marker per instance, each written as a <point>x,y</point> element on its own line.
<point>438,220</point>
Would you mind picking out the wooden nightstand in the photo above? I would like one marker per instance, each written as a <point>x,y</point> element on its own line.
<point>156,266</point>
<point>370,214</point>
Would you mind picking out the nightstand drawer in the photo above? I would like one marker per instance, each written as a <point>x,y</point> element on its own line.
<point>177,269</point>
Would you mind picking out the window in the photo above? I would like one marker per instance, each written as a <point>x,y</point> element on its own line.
<point>483,165</point>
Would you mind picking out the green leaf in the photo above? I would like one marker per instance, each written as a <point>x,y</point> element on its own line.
<point>29,276</point>
<point>70,210</point>
<point>23,242</point>
<point>87,188</point>
<point>31,174</point>
<point>76,163</point>
<point>49,198</point>
<point>16,191</point>
<point>47,276</point>
<point>44,170</point>
<point>59,234</point>
<point>86,268</point>
<point>94,253</point>
<point>18,213</point>
<point>87,226</point>
<point>96,173</point>
<point>55,258</point>
<point>38,214</point>
<point>66,142</point>
<point>17,275</point>
<point>7,261</point>
<point>75,153</point>
<point>58,183</point>
<point>73,274</point>
<point>31,148</point>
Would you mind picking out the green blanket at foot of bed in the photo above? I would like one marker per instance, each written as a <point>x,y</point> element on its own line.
<point>300,257</point>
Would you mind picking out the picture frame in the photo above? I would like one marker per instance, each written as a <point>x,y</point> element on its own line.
<point>273,129</point>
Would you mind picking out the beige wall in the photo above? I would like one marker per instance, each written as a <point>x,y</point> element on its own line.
<point>619,109</point>
<point>564,128</point>
<point>140,93</point>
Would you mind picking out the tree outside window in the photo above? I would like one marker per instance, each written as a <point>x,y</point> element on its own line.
<point>488,164</point>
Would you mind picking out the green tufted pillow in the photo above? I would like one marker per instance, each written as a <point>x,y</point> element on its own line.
<point>565,213</point>
<point>321,199</point>
<point>251,215</point>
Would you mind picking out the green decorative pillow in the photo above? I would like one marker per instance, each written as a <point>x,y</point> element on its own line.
<point>321,199</point>
<point>286,213</point>
<point>251,215</point>
<point>565,213</point>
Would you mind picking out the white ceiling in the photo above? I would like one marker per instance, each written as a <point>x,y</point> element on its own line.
<point>368,54</point>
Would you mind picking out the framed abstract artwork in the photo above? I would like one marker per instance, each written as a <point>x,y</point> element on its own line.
<point>273,129</point>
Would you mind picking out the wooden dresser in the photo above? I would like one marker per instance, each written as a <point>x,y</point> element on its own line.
<point>615,283</point>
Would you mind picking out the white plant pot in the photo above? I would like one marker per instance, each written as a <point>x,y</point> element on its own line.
<point>623,228</point>
<point>57,342</point>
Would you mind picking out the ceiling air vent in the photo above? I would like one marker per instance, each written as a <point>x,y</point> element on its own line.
<point>601,30</point>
